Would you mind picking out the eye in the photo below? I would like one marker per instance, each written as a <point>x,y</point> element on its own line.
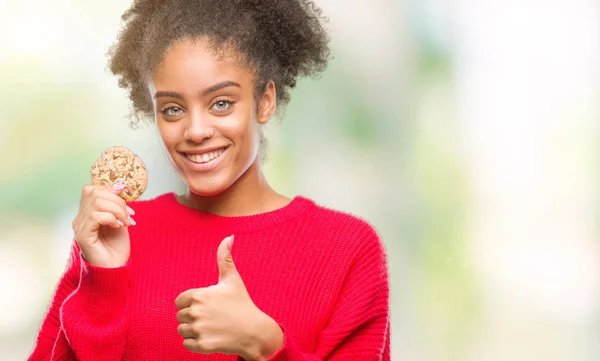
<point>221,105</point>
<point>172,111</point>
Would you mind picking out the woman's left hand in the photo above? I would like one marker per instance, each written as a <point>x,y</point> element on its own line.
<point>223,319</point>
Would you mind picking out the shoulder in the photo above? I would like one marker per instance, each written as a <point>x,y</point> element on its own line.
<point>353,241</point>
<point>349,230</point>
<point>340,220</point>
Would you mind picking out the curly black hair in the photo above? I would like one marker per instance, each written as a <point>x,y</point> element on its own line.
<point>278,40</point>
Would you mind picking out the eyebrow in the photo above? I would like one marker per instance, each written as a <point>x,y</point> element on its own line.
<point>167,94</point>
<point>211,89</point>
<point>219,86</point>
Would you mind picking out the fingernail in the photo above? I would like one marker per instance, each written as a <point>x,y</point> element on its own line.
<point>131,221</point>
<point>120,223</point>
<point>119,187</point>
<point>130,211</point>
<point>230,241</point>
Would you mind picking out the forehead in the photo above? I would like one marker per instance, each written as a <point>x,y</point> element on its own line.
<point>193,63</point>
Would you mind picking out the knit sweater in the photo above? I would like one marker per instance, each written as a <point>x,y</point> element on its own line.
<point>319,273</point>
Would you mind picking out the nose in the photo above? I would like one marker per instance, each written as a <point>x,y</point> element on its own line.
<point>198,127</point>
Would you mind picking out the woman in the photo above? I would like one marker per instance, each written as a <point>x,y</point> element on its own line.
<point>308,283</point>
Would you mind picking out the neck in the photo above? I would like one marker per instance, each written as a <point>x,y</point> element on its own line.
<point>250,194</point>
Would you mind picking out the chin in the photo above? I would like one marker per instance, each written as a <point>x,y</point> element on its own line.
<point>206,188</point>
<point>205,192</point>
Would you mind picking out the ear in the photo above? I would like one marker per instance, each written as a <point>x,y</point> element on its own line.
<point>268,103</point>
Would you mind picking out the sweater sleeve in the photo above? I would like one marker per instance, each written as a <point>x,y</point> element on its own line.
<point>87,318</point>
<point>359,327</point>
<point>50,328</point>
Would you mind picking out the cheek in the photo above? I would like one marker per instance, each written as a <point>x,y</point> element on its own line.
<point>247,143</point>
<point>243,131</point>
<point>168,134</point>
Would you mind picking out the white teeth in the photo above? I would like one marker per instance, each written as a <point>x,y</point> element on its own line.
<point>204,158</point>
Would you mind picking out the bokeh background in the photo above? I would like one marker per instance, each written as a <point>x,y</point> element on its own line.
<point>466,131</point>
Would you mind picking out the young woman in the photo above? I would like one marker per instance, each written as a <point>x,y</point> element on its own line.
<point>307,283</point>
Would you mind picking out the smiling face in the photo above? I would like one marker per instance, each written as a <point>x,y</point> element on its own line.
<point>207,116</point>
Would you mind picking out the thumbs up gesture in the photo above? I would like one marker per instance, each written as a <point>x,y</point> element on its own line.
<point>223,319</point>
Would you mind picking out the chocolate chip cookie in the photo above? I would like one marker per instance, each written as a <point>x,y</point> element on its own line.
<point>119,165</point>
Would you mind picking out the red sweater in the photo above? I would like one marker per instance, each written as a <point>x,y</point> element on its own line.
<point>321,274</point>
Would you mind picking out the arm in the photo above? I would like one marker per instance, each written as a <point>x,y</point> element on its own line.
<point>87,317</point>
<point>359,327</point>
<point>50,329</point>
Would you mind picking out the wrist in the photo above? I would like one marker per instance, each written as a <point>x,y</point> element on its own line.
<point>103,262</point>
<point>267,340</point>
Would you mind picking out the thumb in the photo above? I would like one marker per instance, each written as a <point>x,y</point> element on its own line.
<point>225,261</point>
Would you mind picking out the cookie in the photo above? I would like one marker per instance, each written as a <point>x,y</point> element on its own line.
<point>120,165</point>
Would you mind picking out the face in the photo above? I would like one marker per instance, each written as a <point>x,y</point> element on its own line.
<point>207,115</point>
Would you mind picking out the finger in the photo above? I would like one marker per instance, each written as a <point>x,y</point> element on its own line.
<point>105,219</point>
<point>105,205</point>
<point>184,299</point>
<point>225,260</point>
<point>118,188</point>
<point>193,345</point>
<point>87,190</point>
<point>186,330</point>
<point>107,193</point>
<point>184,316</point>
<point>113,196</point>
<point>96,189</point>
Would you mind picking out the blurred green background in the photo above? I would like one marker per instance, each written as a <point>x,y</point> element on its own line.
<point>465,131</point>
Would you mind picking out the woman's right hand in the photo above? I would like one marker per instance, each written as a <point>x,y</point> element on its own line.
<point>101,226</point>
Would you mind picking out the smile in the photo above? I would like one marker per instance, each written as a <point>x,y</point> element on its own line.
<point>205,157</point>
<point>204,162</point>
